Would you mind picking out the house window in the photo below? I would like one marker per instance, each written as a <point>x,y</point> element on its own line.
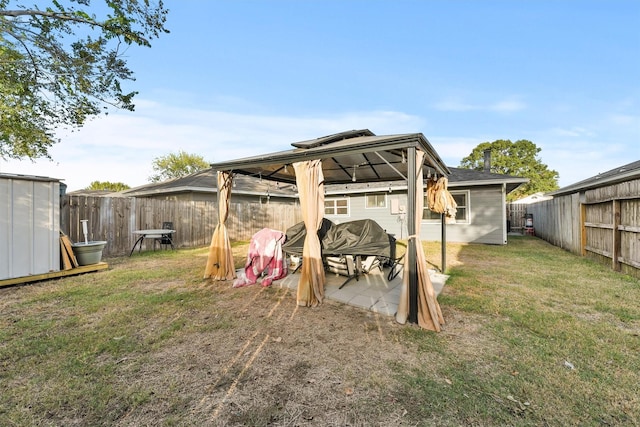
<point>462,210</point>
<point>337,206</point>
<point>377,200</point>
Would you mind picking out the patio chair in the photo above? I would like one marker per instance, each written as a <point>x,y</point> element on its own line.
<point>166,239</point>
<point>395,267</point>
<point>345,265</point>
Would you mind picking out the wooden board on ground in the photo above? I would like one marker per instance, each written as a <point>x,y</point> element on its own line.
<point>66,251</point>
<point>55,274</point>
<point>64,257</point>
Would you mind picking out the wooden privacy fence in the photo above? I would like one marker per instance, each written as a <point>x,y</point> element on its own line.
<point>516,215</point>
<point>601,223</point>
<point>611,231</point>
<point>114,219</point>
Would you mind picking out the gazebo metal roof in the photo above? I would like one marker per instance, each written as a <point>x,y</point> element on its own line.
<point>357,155</point>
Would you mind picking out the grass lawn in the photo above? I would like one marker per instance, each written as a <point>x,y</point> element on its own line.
<point>533,336</point>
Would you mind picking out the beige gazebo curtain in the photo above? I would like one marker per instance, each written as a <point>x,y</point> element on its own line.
<point>310,182</point>
<point>440,200</point>
<point>429,313</point>
<point>220,260</point>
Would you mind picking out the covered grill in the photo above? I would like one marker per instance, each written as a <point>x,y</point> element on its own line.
<point>362,237</point>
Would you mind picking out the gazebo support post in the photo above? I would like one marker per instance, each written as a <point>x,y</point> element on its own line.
<point>411,228</point>
<point>443,244</point>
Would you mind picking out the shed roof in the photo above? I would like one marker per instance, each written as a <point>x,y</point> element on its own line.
<point>28,177</point>
<point>346,157</point>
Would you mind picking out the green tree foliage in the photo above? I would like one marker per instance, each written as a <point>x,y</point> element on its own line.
<point>176,165</point>
<point>106,185</point>
<point>61,64</point>
<point>519,159</point>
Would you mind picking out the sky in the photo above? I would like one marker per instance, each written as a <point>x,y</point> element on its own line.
<point>241,78</point>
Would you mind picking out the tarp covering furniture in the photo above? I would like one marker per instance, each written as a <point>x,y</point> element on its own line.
<point>361,237</point>
<point>346,247</point>
<point>297,233</point>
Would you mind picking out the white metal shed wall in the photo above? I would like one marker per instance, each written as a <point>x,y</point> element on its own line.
<point>29,225</point>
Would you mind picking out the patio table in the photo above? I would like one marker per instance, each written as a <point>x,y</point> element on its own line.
<point>158,233</point>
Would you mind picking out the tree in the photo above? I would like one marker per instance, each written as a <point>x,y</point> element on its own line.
<point>517,159</point>
<point>106,185</point>
<point>51,78</point>
<point>176,166</point>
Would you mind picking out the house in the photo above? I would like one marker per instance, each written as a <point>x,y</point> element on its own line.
<point>480,196</point>
<point>201,186</point>
<point>481,214</point>
<point>91,193</point>
<point>533,198</point>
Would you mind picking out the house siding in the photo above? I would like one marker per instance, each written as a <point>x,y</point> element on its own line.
<point>487,219</point>
<point>486,208</point>
<point>383,216</point>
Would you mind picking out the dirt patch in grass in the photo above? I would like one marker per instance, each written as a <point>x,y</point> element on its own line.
<point>270,362</point>
<point>252,357</point>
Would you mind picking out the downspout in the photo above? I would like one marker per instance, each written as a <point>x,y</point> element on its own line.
<point>504,213</point>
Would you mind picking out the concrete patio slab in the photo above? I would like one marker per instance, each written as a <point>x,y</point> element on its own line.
<point>371,291</point>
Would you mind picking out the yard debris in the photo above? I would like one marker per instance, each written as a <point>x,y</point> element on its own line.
<point>523,405</point>
<point>67,256</point>
<point>569,365</point>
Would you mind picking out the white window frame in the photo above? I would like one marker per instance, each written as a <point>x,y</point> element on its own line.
<point>335,206</point>
<point>467,207</point>
<point>366,200</point>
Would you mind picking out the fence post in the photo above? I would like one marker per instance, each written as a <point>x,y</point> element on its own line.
<point>615,247</point>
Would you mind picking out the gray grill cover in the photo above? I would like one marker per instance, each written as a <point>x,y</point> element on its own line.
<point>362,237</point>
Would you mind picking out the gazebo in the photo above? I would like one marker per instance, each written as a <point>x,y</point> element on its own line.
<point>346,157</point>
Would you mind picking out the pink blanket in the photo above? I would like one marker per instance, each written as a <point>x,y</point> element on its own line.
<point>265,256</point>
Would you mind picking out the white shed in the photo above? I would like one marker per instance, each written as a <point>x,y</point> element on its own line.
<point>29,225</point>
